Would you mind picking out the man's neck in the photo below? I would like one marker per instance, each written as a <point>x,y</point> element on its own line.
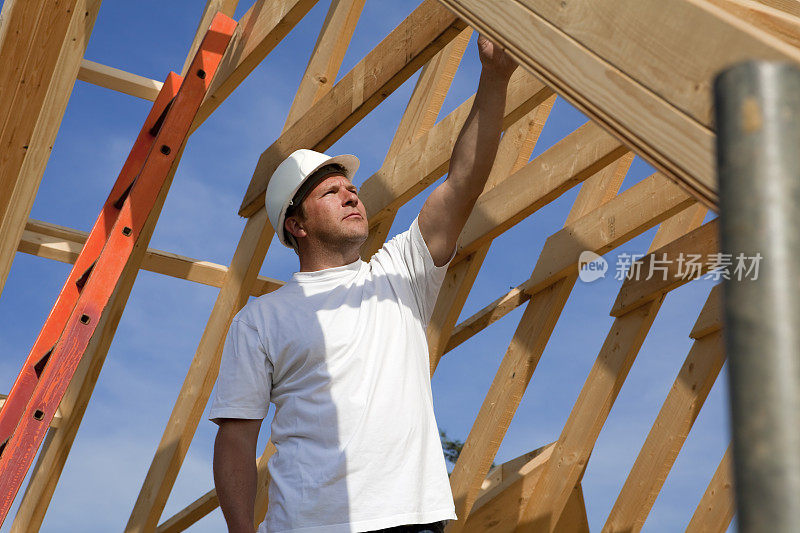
<point>312,260</point>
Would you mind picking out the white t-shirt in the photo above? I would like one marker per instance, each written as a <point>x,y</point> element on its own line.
<point>342,354</point>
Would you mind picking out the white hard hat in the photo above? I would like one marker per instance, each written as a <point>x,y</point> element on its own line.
<point>290,175</point>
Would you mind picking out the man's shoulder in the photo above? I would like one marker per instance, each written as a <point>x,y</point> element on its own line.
<point>256,309</point>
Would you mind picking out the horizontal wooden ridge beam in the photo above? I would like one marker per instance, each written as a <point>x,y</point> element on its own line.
<point>410,45</point>
<point>64,244</point>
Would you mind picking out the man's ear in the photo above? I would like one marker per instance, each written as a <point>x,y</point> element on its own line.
<point>295,227</point>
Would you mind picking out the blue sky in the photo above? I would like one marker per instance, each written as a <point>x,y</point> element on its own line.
<point>165,317</point>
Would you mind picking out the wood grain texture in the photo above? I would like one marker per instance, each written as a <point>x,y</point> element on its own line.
<point>643,76</point>
<point>717,506</point>
<point>42,45</point>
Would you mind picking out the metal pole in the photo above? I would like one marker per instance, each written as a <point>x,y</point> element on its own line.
<point>758,156</point>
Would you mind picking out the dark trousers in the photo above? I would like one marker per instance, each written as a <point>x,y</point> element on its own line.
<point>433,527</point>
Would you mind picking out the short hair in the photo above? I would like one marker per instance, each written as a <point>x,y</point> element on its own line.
<point>296,205</point>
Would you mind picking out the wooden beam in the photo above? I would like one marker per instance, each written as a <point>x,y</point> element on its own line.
<point>592,52</point>
<point>202,373</point>
<point>666,437</point>
<point>792,7</point>
<point>774,21</point>
<point>64,244</point>
<point>417,39</point>
<point>700,243</point>
<point>119,80</point>
<point>522,356</point>
<point>716,508</point>
<point>495,310</point>
<point>711,316</point>
<point>418,119</point>
<point>597,396</point>
<point>322,69</point>
<point>259,31</point>
<point>41,50</point>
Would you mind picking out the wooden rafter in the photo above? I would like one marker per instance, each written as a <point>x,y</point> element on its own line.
<point>598,394</point>
<point>715,510</point>
<point>791,7</point>
<point>196,389</point>
<point>41,49</point>
<point>774,21</point>
<point>669,432</point>
<point>371,81</point>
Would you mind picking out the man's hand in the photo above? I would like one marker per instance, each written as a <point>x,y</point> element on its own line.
<point>494,58</point>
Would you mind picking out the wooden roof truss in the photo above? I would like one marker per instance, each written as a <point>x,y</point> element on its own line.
<point>643,77</point>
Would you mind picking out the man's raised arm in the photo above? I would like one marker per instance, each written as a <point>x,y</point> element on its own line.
<point>447,208</point>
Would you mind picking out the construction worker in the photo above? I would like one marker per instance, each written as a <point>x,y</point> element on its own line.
<point>341,350</point>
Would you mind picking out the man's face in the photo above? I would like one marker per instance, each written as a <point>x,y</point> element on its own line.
<point>332,214</point>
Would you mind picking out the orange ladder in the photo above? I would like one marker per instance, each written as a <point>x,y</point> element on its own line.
<point>70,326</point>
